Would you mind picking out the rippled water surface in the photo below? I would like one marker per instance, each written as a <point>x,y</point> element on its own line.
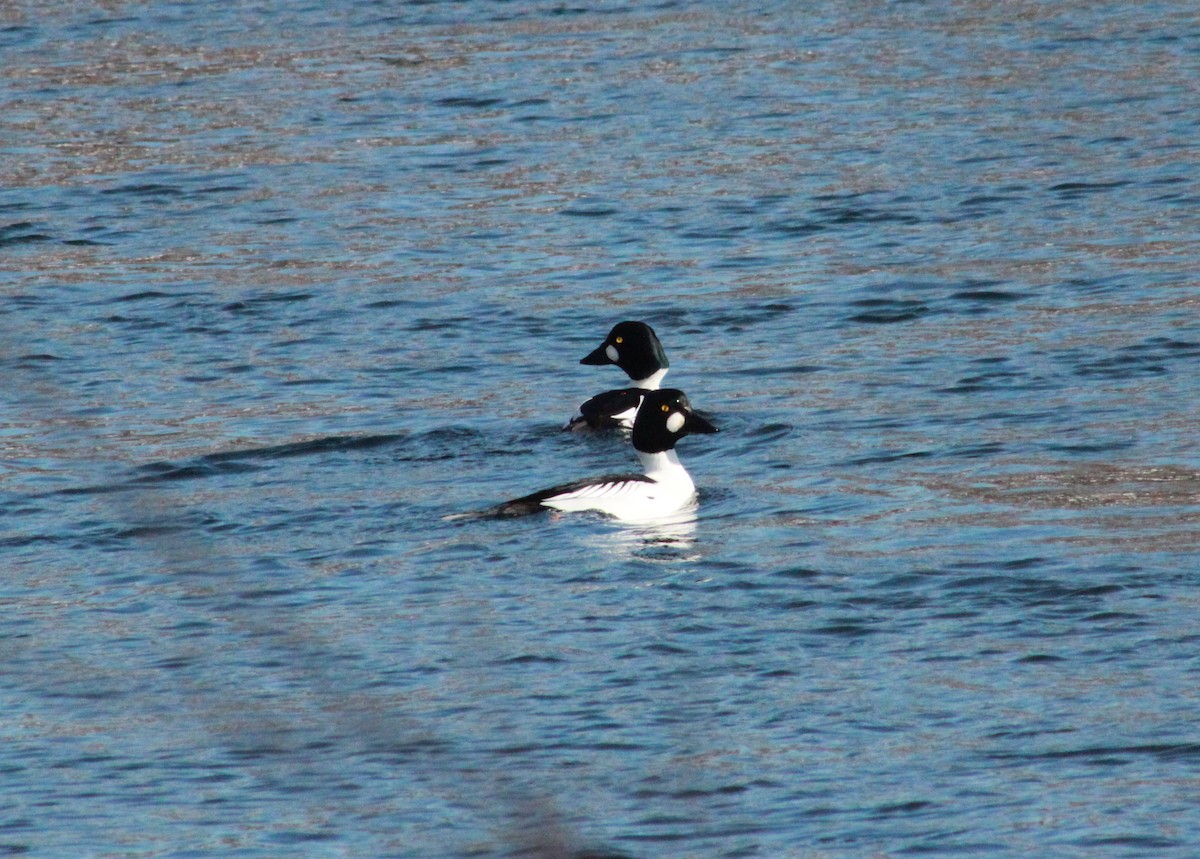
<point>284,284</point>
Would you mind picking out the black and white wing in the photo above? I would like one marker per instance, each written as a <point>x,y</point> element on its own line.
<point>610,410</point>
<point>591,493</point>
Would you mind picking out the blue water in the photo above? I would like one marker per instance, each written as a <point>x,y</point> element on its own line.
<point>282,285</point>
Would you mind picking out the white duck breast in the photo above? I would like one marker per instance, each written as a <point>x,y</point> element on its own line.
<point>663,489</point>
<point>666,488</point>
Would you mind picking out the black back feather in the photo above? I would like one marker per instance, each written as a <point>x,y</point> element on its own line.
<point>597,413</point>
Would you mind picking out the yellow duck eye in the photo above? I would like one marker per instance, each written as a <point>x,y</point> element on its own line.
<point>620,340</point>
<point>665,407</point>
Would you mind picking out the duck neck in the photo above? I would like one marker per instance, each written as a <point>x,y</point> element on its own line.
<point>651,382</point>
<point>662,463</point>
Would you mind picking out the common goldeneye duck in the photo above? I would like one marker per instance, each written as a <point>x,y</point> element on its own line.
<point>665,416</point>
<point>635,348</point>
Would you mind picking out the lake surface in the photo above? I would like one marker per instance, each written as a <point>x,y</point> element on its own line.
<point>284,284</point>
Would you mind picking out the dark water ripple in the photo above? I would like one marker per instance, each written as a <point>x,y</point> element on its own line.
<point>285,285</point>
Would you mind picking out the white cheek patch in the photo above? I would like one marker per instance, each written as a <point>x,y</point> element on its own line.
<point>611,351</point>
<point>675,421</point>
